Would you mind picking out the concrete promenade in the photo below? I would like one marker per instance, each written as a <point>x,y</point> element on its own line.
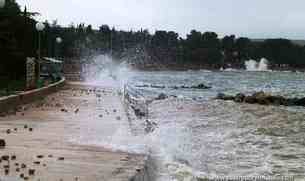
<point>52,139</point>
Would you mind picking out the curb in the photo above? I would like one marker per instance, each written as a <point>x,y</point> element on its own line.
<point>12,101</point>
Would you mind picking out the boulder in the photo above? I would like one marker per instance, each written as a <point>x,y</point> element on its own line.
<point>138,112</point>
<point>239,97</point>
<point>276,100</point>
<point>225,97</point>
<point>263,101</point>
<point>161,96</point>
<point>262,98</point>
<point>261,94</point>
<point>201,86</point>
<point>2,143</point>
<point>300,102</point>
<point>250,100</point>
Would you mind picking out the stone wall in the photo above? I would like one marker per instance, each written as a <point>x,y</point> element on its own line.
<point>30,73</point>
<point>11,102</point>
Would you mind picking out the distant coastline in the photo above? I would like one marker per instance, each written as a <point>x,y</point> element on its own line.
<point>188,67</point>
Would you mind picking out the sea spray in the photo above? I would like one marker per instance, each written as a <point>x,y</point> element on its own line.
<point>104,70</point>
<point>253,65</point>
<point>205,136</point>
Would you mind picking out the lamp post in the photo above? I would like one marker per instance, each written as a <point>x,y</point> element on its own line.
<point>39,27</point>
<point>58,41</point>
<point>2,3</point>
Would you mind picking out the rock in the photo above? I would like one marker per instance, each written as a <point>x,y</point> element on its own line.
<point>161,96</point>
<point>37,163</point>
<point>2,143</point>
<point>202,179</point>
<point>150,126</point>
<point>31,171</point>
<point>7,171</point>
<point>5,157</point>
<point>61,158</point>
<point>25,126</point>
<point>76,111</point>
<point>139,112</point>
<point>158,86</point>
<point>263,101</point>
<point>13,157</point>
<point>239,97</point>
<point>40,156</point>
<point>8,131</point>
<point>58,105</point>
<point>138,170</point>
<point>23,165</point>
<point>201,86</point>
<point>250,100</point>
<point>184,87</point>
<point>22,175</point>
<point>222,96</point>
<point>276,100</point>
<point>17,169</point>
<point>64,110</point>
<point>262,98</point>
<point>261,94</point>
<point>30,129</point>
<point>300,102</point>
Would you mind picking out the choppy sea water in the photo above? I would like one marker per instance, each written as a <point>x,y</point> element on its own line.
<point>193,135</point>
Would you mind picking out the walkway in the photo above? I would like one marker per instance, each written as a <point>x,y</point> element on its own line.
<point>53,139</point>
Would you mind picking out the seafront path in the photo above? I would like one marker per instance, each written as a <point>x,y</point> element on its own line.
<point>57,138</point>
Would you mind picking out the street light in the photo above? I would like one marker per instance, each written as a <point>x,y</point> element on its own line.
<point>39,27</point>
<point>58,41</point>
<point>2,3</point>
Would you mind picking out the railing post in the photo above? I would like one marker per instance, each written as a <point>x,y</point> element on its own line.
<point>147,109</point>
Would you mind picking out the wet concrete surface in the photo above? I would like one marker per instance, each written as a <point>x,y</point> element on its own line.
<point>50,139</point>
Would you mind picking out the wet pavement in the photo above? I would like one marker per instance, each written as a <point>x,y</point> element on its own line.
<point>51,139</point>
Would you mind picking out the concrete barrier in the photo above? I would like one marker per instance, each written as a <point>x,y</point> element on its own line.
<point>12,101</point>
<point>147,171</point>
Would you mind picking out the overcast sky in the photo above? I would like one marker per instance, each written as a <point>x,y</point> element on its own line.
<point>251,18</point>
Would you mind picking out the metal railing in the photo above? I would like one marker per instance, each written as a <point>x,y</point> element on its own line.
<point>136,100</point>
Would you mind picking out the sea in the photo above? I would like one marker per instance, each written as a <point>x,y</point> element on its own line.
<point>191,136</point>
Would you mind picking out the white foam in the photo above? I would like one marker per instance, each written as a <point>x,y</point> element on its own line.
<point>253,65</point>
<point>104,70</point>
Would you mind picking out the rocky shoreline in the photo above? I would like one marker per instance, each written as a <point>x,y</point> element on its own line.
<point>199,86</point>
<point>263,98</point>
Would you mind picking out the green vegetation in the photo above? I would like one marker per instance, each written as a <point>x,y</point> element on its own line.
<point>19,39</point>
<point>167,49</point>
<point>8,87</point>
